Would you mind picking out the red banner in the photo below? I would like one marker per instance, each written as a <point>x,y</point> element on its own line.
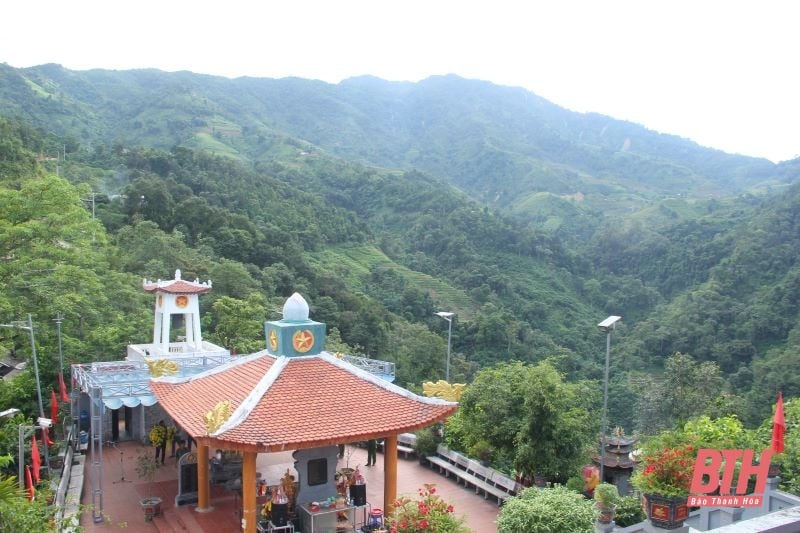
<point>53,407</point>
<point>29,483</point>
<point>62,388</point>
<point>35,459</point>
<point>778,426</point>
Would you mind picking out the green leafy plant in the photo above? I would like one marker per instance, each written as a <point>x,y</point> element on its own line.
<point>427,513</point>
<point>629,511</point>
<point>547,511</point>
<point>146,467</point>
<point>426,442</point>
<point>667,472</point>
<point>482,450</point>
<point>606,495</point>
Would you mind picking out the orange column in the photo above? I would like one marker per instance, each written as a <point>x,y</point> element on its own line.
<point>249,517</point>
<point>203,487</point>
<point>390,474</point>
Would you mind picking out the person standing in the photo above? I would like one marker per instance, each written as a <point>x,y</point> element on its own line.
<point>171,439</point>
<point>158,438</point>
<point>372,451</point>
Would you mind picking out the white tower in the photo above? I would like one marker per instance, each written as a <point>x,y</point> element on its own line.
<point>177,297</point>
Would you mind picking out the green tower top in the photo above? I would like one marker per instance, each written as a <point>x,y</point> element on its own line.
<point>295,334</point>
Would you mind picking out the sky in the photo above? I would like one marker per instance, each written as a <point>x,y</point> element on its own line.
<point>722,73</point>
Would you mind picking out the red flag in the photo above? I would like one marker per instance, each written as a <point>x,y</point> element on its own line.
<point>47,440</point>
<point>53,407</point>
<point>62,388</point>
<point>36,460</point>
<point>29,483</point>
<point>778,426</point>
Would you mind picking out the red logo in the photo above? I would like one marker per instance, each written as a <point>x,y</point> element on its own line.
<point>706,478</point>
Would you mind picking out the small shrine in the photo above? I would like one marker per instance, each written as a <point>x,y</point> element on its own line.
<point>619,464</point>
<point>293,396</point>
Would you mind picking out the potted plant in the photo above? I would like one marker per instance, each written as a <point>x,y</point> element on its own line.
<point>483,451</point>
<point>426,444</point>
<point>606,498</point>
<point>146,466</point>
<point>664,478</point>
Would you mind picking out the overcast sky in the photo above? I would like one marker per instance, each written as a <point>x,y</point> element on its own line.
<point>723,73</point>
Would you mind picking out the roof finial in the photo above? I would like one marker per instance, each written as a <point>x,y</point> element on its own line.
<point>295,309</point>
<point>177,273</point>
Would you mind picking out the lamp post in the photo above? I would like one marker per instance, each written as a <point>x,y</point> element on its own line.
<point>608,326</point>
<point>29,328</point>
<point>449,317</point>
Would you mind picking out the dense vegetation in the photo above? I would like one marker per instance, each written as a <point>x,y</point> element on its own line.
<point>382,203</point>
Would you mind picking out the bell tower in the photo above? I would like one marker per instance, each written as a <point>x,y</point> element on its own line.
<point>177,297</point>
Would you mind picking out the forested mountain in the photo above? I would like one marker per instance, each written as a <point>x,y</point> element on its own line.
<point>384,202</point>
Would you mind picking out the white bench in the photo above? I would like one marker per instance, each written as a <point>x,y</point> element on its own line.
<point>484,479</point>
<point>445,460</point>
<point>406,443</point>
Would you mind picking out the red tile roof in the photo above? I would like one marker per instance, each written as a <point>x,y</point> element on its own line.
<point>306,402</point>
<point>177,286</point>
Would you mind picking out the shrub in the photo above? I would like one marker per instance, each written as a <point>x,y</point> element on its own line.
<point>547,511</point>
<point>426,442</point>
<point>629,511</point>
<point>606,495</point>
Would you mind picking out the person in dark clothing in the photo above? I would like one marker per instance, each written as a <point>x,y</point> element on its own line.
<point>182,450</point>
<point>372,451</point>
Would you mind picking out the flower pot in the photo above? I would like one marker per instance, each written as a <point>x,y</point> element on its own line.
<point>666,512</point>
<point>151,507</point>
<point>607,513</point>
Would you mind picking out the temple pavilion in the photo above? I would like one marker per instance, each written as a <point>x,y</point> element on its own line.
<point>291,396</point>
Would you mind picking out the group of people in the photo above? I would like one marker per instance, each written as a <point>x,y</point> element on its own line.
<point>163,436</point>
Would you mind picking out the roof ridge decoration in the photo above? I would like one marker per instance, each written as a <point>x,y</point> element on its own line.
<point>241,360</point>
<point>217,416</point>
<point>197,285</point>
<point>244,409</point>
<point>161,367</point>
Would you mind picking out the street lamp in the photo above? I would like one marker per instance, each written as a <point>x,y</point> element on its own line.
<point>29,328</point>
<point>449,317</point>
<point>608,326</point>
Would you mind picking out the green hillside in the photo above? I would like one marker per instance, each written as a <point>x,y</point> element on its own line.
<point>384,202</point>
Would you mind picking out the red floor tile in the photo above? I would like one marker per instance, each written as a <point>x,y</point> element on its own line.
<point>122,491</point>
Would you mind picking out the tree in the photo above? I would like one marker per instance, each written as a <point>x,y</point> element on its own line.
<point>239,323</point>
<point>530,417</point>
<point>559,429</point>
<point>685,390</point>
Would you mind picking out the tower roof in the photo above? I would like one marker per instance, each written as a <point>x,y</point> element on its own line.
<point>177,285</point>
<point>284,403</point>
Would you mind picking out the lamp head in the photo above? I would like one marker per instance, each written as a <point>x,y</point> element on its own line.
<point>609,323</point>
<point>9,412</point>
<point>447,315</point>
